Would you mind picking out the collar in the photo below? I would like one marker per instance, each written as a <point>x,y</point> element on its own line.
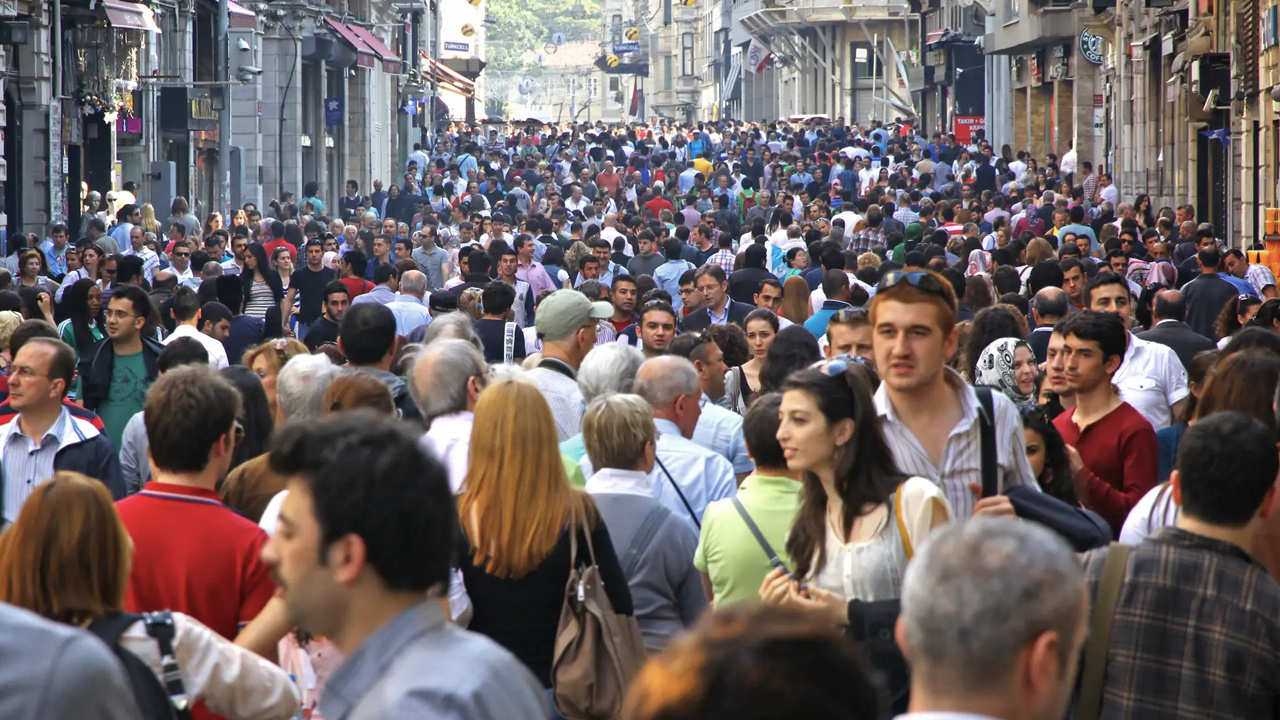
<point>835,305</point>
<point>1172,535</point>
<point>353,679</point>
<point>968,402</point>
<point>57,430</point>
<point>622,482</point>
<point>1162,322</point>
<point>772,484</point>
<point>460,422</point>
<point>666,427</point>
<point>171,491</point>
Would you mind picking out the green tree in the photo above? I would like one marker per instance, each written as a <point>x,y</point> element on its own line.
<point>525,26</point>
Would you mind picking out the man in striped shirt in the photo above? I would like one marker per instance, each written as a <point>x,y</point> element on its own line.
<point>929,416</point>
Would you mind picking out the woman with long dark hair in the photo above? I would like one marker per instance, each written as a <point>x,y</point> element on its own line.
<point>83,327</point>
<point>1047,454</point>
<point>1235,315</point>
<point>793,348</point>
<point>255,414</point>
<point>262,287</point>
<point>860,518</point>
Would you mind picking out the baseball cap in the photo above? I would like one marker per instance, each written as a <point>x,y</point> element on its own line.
<point>564,311</point>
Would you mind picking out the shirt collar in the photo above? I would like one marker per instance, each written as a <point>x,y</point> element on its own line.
<point>625,482</point>
<point>187,490</point>
<point>666,427</point>
<point>1177,536</point>
<point>968,403</point>
<point>56,431</point>
<point>365,667</point>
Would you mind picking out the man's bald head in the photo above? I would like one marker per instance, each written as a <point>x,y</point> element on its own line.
<point>1169,305</point>
<point>1051,305</point>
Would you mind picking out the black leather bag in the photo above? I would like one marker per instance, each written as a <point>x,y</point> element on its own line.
<point>1082,529</point>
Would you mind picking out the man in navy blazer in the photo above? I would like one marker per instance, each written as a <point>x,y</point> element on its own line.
<point>719,309</point>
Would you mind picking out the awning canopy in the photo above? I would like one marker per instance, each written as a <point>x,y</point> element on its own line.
<point>447,78</point>
<point>390,59</point>
<point>365,56</point>
<point>241,17</point>
<point>123,15</point>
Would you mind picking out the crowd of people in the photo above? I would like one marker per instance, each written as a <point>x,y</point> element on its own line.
<point>724,420</point>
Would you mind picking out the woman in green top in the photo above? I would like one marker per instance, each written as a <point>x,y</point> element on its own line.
<point>83,329</point>
<point>797,262</point>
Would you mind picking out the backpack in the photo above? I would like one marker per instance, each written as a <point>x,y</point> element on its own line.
<point>155,701</point>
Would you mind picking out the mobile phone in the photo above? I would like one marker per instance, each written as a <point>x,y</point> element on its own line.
<point>777,563</point>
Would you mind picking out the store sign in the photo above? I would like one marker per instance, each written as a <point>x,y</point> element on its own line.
<point>185,109</point>
<point>457,47</point>
<point>1091,46</point>
<point>964,127</point>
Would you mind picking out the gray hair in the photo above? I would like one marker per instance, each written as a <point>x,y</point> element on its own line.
<point>440,373</point>
<point>455,325</point>
<point>211,270</point>
<point>662,380</point>
<point>413,283</point>
<point>978,592</point>
<point>609,369</point>
<point>301,385</point>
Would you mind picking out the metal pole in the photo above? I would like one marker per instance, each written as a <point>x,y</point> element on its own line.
<point>224,115</point>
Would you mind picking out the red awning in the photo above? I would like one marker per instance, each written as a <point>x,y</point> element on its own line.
<point>447,78</point>
<point>365,57</point>
<point>123,15</point>
<point>390,58</point>
<point>241,17</point>
<point>935,36</point>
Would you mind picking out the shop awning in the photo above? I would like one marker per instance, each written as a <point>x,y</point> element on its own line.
<point>447,78</point>
<point>390,58</point>
<point>123,15</point>
<point>365,56</point>
<point>241,17</point>
<point>936,36</point>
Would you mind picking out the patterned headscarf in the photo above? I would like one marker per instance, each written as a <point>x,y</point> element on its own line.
<point>995,369</point>
<point>1162,272</point>
<point>979,263</point>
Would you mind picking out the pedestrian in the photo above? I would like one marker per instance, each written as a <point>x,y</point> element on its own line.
<point>388,622</point>
<point>368,339</point>
<point>756,662</point>
<point>266,361</point>
<point>82,329</point>
<point>116,374</point>
<point>191,434</point>
<point>1225,485</point>
<point>447,380</point>
<point>518,514</point>
<point>609,369</point>
<point>657,544</point>
<point>307,286</point>
<point>718,430</point>
<point>566,323</point>
<point>43,570</point>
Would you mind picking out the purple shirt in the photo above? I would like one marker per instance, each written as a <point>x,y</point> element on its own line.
<point>536,276</point>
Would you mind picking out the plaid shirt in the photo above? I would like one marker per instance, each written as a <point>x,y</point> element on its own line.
<point>1195,632</point>
<point>723,258</point>
<point>863,240</point>
<point>906,216</point>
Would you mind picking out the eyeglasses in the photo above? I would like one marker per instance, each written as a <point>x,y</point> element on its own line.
<point>182,254</point>
<point>24,372</point>
<point>920,279</point>
<point>120,314</point>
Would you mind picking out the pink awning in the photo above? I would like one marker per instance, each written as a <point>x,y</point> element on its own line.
<point>364,54</point>
<point>390,58</point>
<point>123,15</point>
<point>241,17</point>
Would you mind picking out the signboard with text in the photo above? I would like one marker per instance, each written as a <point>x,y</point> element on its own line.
<point>457,47</point>
<point>964,126</point>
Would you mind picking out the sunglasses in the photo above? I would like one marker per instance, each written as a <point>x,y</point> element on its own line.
<point>182,254</point>
<point>848,314</point>
<point>919,279</point>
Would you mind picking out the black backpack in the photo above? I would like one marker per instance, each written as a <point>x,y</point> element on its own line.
<point>155,701</point>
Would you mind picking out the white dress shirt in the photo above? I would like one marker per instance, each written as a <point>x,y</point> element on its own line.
<point>720,431</point>
<point>1151,379</point>
<point>217,353</point>
<point>625,482</point>
<point>449,439</point>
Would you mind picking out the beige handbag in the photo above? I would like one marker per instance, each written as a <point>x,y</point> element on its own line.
<point>597,651</point>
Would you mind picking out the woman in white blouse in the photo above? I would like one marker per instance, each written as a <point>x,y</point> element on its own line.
<point>860,519</point>
<point>67,558</point>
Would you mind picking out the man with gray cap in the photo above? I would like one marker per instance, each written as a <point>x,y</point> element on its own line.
<point>566,324</point>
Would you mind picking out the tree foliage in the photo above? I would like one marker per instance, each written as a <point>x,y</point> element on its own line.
<point>524,26</point>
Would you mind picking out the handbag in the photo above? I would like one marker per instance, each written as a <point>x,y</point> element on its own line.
<point>597,651</point>
<point>1083,529</point>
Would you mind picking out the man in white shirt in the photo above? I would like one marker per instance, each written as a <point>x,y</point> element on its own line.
<point>446,383</point>
<point>188,315</point>
<point>150,261</point>
<point>239,246</point>
<point>576,203</point>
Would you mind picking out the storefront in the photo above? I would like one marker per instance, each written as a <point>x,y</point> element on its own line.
<point>188,131</point>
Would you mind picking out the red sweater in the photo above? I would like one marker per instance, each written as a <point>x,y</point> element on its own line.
<point>1121,457</point>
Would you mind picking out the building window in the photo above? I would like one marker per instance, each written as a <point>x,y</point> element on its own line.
<point>666,72</point>
<point>615,29</point>
<point>865,62</point>
<point>686,55</point>
<point>614,84</point>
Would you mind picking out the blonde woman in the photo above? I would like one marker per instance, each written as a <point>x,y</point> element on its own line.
<point>80,579</point>
<point>265,361</point>
<point>149,222</point>
<point>516,514</point>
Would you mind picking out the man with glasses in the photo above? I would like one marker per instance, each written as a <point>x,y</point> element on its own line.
<point>180,265</point>
<point>716,308</point>
<point>116,373</point>
<point>44,437</point>
<point>929,415</point>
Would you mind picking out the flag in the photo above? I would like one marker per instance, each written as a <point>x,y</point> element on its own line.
<point>637,102</point>
<point>757,56</point>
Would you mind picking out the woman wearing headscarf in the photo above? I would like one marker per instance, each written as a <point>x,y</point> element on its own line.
<point>1009,366</point>
<point>979,263</point>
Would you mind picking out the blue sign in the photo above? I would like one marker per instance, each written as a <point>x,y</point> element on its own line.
<point>332,111</point>
<point>411,107</point>
<point>626,47</point>
<point>457,47</point>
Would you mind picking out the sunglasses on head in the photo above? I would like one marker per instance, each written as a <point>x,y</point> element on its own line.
<point>915,278</point>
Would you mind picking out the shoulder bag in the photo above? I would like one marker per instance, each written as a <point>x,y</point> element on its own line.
<point>1083,529</point>
<point>1093,673</point>
<point>597,651</point>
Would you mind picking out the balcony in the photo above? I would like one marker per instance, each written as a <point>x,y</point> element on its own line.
<point>1047,24</point>
<point>810,13</point>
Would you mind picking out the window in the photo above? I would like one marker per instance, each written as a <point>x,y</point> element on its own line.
<point>686,55</point>
<point>615,29</point>
<point>614,84</point>
<point>865,62</point>
<point>666,72</point>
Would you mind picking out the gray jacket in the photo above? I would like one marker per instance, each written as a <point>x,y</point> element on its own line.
<point>135,468</point>
<point>51,671</point>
